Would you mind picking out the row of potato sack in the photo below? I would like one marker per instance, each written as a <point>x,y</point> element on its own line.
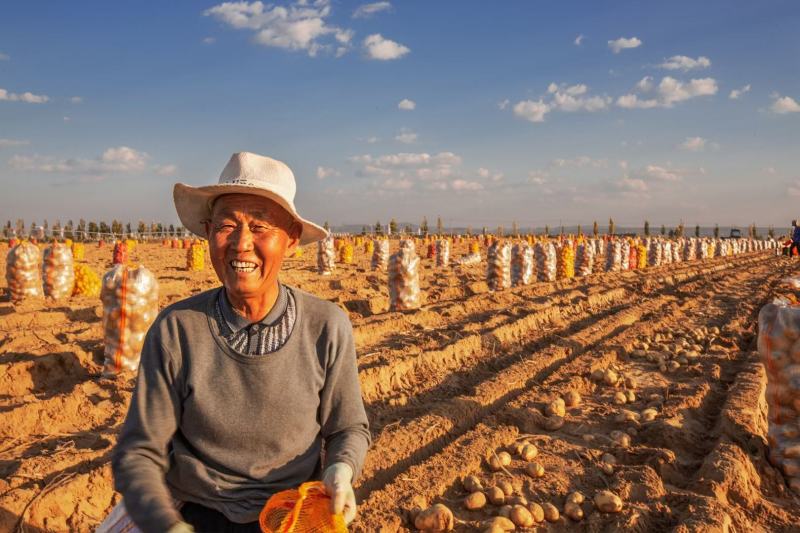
<point>779,350</point>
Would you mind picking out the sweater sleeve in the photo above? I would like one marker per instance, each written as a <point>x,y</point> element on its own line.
<point>342,416</point>
<point>140,459</point>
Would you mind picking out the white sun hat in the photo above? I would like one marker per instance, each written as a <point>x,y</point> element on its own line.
<point>245,173</point>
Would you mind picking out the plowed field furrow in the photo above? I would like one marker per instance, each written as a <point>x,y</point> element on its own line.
<point>569,374</point>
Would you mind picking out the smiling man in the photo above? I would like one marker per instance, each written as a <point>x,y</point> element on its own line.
<point>247,389</point>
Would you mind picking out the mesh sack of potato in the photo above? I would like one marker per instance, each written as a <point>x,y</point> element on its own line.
<point>521,264</point>
<point>120,254</point>
<point>719,249</point>
<point>326,256</point>
<point>584,259</point>
<point>22,272</point>
<point>470,259</point>
<point>404,278</point>
<point>613,256</point>
<point>779,349</point>
<point>641,256</point>
<point>546,261</point>
<point>298,252</point>
<point>78,251</point>
<point>625,255</point>
<point>302,510</point>
<point>196,257</point>
<point>58,271</point>
<point>676,252</point>
<point>431,251</point>
<point>369,247</point>
<point>442,253</point>
<point>130,304</point>
<point>633,255</point>
<point>599,247</point>
<point>346,253</point>
<point>474,247</point>
<point>689,250</point>
<point>565,265</point>
<point>498,266</point>
<point>380,254</point>
<point>654,253</point>
<point>666,252</point>
<point>87,281</point>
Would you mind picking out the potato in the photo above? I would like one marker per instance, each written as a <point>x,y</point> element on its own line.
<point>519,446</point>
<point>506,487</point>
<point>553,423</point>
<point>551,513</point>
<point>536,511</point>
<point>505,458</point>
<point>556,408</point>
<point>494,462</point>
<point>435,518</point>
<point>505,511</point>
<point>534,469</point>
<point>587,437</point>
<point>607,502</point>
<point>573,511</point>
<point>572,398</point>
<point>597,374</point>
<point>619,398</point>
<point>521,516</point>
<point>672,366</point>
<point>648,415</point>
<point>630,397</point>
<point>496,496</point>
<point>576,497</point>
<point>472,484</point>
<point>620,439</point>
<point>418,503</point>
<point>608,458</point>
<point>476,500</point>
<point>518,500</point>
<point>499,523</point>
<point>528,452</point>
<point>630,382</point>
<point>607,468</point>
<point>610,377</point>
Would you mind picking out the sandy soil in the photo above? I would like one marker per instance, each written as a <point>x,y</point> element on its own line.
<point>469,374</point>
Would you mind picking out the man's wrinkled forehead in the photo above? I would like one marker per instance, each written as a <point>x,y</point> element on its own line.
<point>253,205</point>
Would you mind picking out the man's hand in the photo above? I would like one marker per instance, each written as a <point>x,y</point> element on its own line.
<point>338,479</point>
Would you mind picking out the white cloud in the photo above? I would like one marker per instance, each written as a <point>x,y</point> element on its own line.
<point>7,143</point>
<point>631,184</point>
<point>694,144</point>
<point>504,104</point>
<point>406,136</point>
<point>579,39</point>
<point>463,185</point>
<point>166,170</point>
<point>669,92</point>
<point>326,172</point>
<point>401,184</point>
<point>121,159</point>
<point>383,49</point>
<point>580,161</point>
<point>537,177</point>
<point>784,104</point>
<point>76,100</point>
<point>662,173</point>
<point>367,10</point>
<point>4,57</point>
<point>407,105</point>
<point>209,40</point>
<point>368,140</point>
<point>299,26</point>
<point>485,173</point>
<point>27,97</point>
<point>623,43</point>
<point>685,63</point>
<point>531,111</point>
<point>736,93</point>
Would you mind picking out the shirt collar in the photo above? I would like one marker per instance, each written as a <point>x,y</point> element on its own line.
<point>237,322</point>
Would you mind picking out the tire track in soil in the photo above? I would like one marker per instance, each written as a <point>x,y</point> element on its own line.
<point>581,362</point>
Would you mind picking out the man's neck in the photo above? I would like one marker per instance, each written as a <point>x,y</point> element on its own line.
<point>254,308</point>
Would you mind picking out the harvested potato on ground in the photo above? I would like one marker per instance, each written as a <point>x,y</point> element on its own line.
<point>607,468</point>
<point>518,500</point>
<point>608,458</point>
<point>648,415</point>
<point>576,497</point>
<point>672,366</point>
<point>572,398</point>
<point>597,374</point>
<point>472,484</point>
<point>556,408</point>
<point>610,377</point>
<point>528,452</point>
<point>435,518</point>
<point>496,496</point>
<point>608,502</point>
<point>505,511</point>
<point>619,398</point>
<point>475,501</point>
<point>551,513</point>
<point>499,523</point>
<point>537,512</point>
<point>630,382</point>
<point>506,487</point>
<point>620,439</point>
<point>521,516</point>
<point>519,446</point>
<point>630,397</point>
<point>534,469</point>
<point>573,511</point>
<point>553,423</point>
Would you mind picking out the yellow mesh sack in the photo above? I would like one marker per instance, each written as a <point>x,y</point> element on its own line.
<point>303,510</point>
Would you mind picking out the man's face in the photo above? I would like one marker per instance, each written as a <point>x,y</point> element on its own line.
<point>248,238</point>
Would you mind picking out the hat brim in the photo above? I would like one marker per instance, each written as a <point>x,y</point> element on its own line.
<point>193,205</point>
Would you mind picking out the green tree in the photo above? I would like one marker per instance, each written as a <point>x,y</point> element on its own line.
<point>580,231</point>
<point>393,226</point>
<point>439,227</point>
<point>141,229</point>
<point>771,232</point>
<point>697,230</point>
<point>171,230</point>
<point>547,229</point>
<point>716,231</point>
<point>562,230</point>
<point>128,229</point>
<point>378,228</point>
<point>363,230</point>
<point>408,230</point>
<point>92,230</point>
<point>423,228</point>
<point>595,229</point>
<point>679,230</point>
<point>646,228</point>
<point>611,226</point>
<point>663,229</point>
<point>69,231</point>
<point>326,226</point>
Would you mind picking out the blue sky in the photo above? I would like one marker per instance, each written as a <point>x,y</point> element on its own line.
<point>483,113</point>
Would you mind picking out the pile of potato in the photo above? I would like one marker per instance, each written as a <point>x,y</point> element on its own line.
<point>59,274</point>
<point>404,278</point>
<point>442,252</point>
<point>521,264</point>
<point>380,254</point>
<point>326,256</point>
<point>498,267</point>
<point>22,272</point>
<point>546,261</point>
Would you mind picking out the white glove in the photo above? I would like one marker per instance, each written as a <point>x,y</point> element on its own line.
<point>338,479</point>
<point>181,527</point>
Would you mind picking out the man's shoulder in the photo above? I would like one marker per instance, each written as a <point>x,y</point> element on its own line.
<point>318,310</point>
<point>189,308</point>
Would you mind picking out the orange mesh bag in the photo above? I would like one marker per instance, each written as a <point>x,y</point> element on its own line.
<point>303,510</point>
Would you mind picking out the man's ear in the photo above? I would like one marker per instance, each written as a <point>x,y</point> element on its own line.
<point>207,225</point>
<point>294,237</point>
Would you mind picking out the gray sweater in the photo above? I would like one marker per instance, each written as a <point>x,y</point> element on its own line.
<point>209,425</point>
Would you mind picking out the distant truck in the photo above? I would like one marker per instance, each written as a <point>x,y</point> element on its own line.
<point>735,233</point>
